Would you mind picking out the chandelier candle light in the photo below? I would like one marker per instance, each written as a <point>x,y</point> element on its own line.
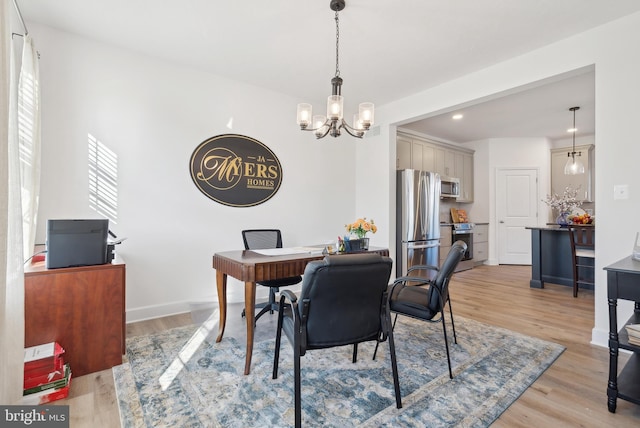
<point>574,166</point>
<point>334,121</point>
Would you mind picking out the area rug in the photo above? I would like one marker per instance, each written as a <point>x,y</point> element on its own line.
<point>182,378</point>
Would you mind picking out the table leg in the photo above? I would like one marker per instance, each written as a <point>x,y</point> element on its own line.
<point>612,385</point>
<point>221,284</point>
<point>250,312</point>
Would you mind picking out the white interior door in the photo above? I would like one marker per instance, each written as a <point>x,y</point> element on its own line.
<point>517,208</point>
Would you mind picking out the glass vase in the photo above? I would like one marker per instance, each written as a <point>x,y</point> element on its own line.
<point>562,219</point>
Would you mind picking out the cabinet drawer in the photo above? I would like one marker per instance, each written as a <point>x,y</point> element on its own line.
<point>481,233</point>
<point>445,237</point>
<point>480,251</point>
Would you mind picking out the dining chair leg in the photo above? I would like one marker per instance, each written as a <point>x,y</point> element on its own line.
<point>394,368</point>
<point>272,298</point>
<point>276,354</point>
<point>297,392</point>
<point>453,326</point>
<point>355,353</point>
<point>375,351</point>
<point>446,345</point>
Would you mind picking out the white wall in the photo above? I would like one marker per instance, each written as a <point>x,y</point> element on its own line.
<point>153,115</point>
<point>617,63</point>
<point>495,153</point>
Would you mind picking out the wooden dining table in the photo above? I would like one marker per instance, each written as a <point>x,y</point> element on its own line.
<point>251,267</point>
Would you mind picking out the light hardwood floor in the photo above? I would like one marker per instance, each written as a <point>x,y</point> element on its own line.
<point>571,393</point>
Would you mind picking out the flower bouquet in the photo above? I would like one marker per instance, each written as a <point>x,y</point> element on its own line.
<point>359,228</point>
<point>564,204</point>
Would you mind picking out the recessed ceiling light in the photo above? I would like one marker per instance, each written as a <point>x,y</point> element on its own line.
<point>457,116</point>
<point>572,129</point>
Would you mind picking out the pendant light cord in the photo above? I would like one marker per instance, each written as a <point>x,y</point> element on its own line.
<point>337,44</point>
<point>573,153</point>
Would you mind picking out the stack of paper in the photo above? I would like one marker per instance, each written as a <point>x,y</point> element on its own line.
<point>633,330</point>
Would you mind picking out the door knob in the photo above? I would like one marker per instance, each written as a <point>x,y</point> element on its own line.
<point>501,221</point>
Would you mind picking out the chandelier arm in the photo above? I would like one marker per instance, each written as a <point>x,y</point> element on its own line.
<point>326,123</point>
<point>325,133</point>
<point>351,131</point>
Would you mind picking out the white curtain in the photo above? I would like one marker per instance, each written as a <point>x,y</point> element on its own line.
<point>11,248</point>
<point>29,139</point>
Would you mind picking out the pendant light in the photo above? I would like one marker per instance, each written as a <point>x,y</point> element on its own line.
<point>333,122</point>
<point>574,165</point>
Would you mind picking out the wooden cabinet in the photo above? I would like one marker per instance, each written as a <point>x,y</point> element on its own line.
<point>623,282</point>
<point>421,153</point>
<point>81,308</point>
<point>480,243</point>
<point>582,182</point>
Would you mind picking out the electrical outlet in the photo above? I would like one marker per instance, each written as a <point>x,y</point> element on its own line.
<point>621,191</point>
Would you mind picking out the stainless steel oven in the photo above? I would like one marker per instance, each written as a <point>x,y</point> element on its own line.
<point>464,232</point>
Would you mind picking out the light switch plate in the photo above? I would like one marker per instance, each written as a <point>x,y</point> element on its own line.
<point>621,191</point>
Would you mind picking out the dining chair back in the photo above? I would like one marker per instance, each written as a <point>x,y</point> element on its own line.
<point>343,301</point>
<point>423,298</point>
<point>583,244</point>
<point>261,239</point>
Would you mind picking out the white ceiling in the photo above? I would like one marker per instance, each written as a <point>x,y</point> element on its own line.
<point>388,49</point>
<point>541,111</point>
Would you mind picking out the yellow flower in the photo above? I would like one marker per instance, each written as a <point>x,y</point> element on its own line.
<point>361,226</point>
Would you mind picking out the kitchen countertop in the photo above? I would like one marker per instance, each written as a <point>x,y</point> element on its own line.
<point>474,222</point>
<point>555,227</point>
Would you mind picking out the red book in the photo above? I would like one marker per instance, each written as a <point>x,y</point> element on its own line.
<point>43,359</point>
<point>47,396</point>
<point>56,384</point>
<point>35,378</point>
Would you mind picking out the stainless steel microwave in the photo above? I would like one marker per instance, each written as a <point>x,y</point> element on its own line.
<point>449,187</point>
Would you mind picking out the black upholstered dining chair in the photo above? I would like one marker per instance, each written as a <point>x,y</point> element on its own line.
<point>425,299</point>
<point>583,245</point>
<point>261,239</point>
<point>343,301</point>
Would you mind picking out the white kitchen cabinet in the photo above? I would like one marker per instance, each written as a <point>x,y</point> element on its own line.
<point>403,153</point>
<point>445,242</point>
<point>439,166</point>
<point>417,155</point>
<point>445,159</point>
<point>428,158</point>
<point>464,171</point>
<point>480,243</point>
<point>583,182</point>
<point>450,163</point>
<point>413,154</point>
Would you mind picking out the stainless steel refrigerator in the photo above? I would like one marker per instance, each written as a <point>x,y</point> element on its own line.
<point>417,220</point>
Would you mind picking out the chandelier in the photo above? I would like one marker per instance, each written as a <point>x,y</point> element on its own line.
<point>333,122</point>
<point>574,165</point>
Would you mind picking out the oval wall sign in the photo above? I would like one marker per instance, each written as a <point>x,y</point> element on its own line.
<point>235,170</point>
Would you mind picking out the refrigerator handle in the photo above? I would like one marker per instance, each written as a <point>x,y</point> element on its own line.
<point>423,191</point>
<point>431,245</point>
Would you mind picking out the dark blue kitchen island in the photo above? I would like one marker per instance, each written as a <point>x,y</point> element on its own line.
<point>551,259</point>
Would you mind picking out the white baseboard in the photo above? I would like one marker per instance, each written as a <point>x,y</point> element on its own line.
<point>600,337</point>
<point>164,310</point>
